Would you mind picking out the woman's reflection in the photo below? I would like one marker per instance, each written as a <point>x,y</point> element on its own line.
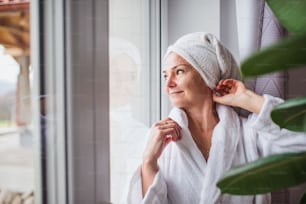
<point>127,133</point>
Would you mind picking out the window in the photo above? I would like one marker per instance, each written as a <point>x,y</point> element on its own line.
<point>131,82</point>
<point>94,96</point>
<point>17,166</point>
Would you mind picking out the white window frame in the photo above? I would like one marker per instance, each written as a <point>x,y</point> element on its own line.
<point>70,47</point>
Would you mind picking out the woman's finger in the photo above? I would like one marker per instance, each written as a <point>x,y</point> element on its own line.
<point>176,126</point>
<point>228,82</point>
<point>163,121</point>
<point>221,82</point>
<point>170,133</point>
<point>167,130</point>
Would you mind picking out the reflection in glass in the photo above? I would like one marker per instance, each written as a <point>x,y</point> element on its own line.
<point>129,90</point>
<point>127,134</point>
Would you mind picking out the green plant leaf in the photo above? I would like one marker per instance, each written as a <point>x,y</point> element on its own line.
<point>291,114</point>
<point>291,14</point>
<point>286,54</point>
<point>264,175</point>
<point>303,199</point>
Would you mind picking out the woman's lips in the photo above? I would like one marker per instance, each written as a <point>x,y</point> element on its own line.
<point>175,92</point>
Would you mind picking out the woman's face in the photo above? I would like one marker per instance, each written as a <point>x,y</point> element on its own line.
<point>183,83</point>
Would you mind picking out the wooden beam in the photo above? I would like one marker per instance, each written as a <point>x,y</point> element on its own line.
<point>13,5</point>
<point>16,19</point>
<point>14,37</point>
<point>15,32</point>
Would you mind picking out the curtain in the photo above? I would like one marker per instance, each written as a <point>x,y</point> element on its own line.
<point>257,28</point>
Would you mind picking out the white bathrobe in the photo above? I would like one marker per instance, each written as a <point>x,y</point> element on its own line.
<point>185,177</point>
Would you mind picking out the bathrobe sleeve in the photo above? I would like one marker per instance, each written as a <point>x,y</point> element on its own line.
<point>270,138</point>
<point>156,194</point>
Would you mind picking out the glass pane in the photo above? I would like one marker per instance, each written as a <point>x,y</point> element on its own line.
<point>129,90</point>
<point>16,127</point>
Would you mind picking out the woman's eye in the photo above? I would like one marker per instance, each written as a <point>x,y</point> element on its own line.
<point>165,77</point>
<point>179,71</point>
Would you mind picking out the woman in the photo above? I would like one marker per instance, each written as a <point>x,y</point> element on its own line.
<point>203,137</point>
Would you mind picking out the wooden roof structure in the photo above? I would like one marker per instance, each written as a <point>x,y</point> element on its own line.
<point>15,27</point>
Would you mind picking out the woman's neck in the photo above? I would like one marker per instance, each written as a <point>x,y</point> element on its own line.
<point>203,117</point>
<point>201,122</point>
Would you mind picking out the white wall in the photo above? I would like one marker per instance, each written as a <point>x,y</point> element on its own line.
<point>228,27</point>
<point>186,16</point>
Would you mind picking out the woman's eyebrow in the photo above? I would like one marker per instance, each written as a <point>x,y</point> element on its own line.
<point>177,66</point>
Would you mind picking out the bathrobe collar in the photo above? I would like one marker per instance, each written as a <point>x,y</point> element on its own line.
<point>224,144</point>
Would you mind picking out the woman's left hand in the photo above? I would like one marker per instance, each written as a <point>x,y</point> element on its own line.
<point>229,91</point>
<point>234,93</point>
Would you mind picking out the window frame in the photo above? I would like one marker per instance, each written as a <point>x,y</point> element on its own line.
<point>77,160</point>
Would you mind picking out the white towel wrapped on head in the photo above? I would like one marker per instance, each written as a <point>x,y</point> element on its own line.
<point>208,56</point>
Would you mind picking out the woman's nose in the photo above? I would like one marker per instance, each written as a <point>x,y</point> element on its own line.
<point>170,82</point>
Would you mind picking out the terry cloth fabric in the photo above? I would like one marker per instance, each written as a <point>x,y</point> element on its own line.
<point>224,144</point>
<point>208,56</point>
<point>184,175</point>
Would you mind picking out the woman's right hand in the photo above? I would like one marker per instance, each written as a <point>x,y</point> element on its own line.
<point>160,134</point>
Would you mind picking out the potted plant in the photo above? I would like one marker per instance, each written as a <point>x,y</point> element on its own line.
<point>279,171</point>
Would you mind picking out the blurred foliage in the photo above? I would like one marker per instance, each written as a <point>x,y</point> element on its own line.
<point>280,171</point>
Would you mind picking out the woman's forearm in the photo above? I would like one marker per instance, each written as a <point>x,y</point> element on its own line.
<point>251,101</point>
<point>148,172</point>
